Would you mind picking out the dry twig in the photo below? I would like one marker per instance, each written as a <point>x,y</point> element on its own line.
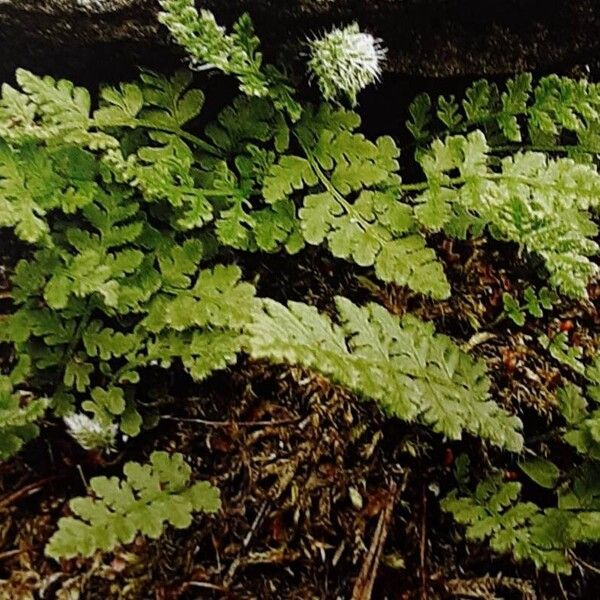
<point>363,586</point>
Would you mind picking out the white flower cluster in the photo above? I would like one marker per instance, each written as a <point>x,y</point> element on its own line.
<point>89,433</point>
<point>345,61</point>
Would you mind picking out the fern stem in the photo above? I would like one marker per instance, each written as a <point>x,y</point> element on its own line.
<point>215,193</point>
<point>85,319</point>
<point>414,187</point>
<point>199,142</point>
<point>455,181</point>
<point>190,137</point>
<point>535,148</point>
<point>74,342</point>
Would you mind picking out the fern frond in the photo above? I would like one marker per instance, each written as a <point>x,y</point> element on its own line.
<point>35,181</point>
<point>19,413</point>
<point>218,298</point>
<point>547,536</point>
<point>48,110</point>
<point>412,372</point>
<point>236,53</point>
<point>102,272</point>
<point>149,497</point>
<point>157,101</point>
<point>539,202</point>
<point>349,187</point>
<point>541,116</point>
<point>494,512</point>
<point>580,410</point>
<point>58,103</point>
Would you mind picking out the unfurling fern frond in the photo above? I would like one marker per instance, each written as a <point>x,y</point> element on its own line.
<point>412,372</point>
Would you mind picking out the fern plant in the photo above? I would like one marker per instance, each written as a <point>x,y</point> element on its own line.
<point>559,348</point>
<point>412,372</point>
<point>150,496</point>
<point>582,415</point>
<point>127,210</point>
<point>541,203</point>
<point>124,204</point>
<point>350,187</point>
<point>114,282</point>
<point>535,304</point>
<point>541,116</point>
<point>546,535</point>
<point>494,512</point>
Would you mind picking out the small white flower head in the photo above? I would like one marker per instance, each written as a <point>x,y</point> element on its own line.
<point>90,434</point>
<point>345,61</point>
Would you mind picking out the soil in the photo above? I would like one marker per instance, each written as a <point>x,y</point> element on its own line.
<point>322,497</point>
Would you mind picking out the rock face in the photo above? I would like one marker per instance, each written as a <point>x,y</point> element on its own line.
<point>431,38</point>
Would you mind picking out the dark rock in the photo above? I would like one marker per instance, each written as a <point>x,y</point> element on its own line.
<point>431,38</point>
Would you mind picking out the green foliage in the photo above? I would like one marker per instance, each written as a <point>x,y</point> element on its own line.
<point>130,221</point>
<point>541,203</point>
<point>350,187</point>
<point>412,372</point>
<point>494,512</point>
<point>47,109</point>
<point>150,496</point>
<point>19,412</point>
<point>542,471</point>
<point>114,281</point>
<point>317,181</point>
<point>547,536</point>
<point>236,53</point>
<point>541,115</point>
<point>534,304</point>
<point>583,417</point>
<point>560,350</point>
